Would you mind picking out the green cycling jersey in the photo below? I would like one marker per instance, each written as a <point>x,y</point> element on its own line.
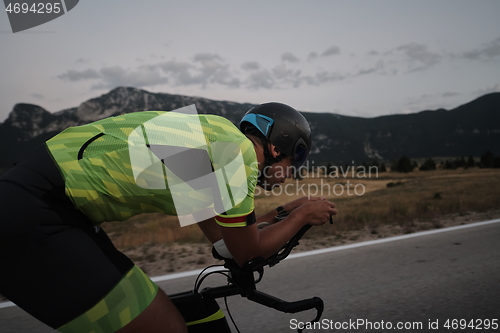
<point>113,171</point>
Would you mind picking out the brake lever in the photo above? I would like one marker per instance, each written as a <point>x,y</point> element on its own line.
<point>319,311</point>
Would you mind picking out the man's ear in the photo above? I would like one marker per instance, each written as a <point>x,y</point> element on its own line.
<point>274,150</point>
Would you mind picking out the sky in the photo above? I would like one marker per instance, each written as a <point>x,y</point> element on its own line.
<point>357,58</point>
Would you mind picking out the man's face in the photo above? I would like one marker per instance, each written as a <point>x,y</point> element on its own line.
<point>276,174</point>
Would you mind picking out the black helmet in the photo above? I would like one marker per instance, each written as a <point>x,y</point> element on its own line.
<point>283,126</point>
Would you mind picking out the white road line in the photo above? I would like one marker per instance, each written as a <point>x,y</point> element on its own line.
<point>389,239</point>
<point>321,251</point>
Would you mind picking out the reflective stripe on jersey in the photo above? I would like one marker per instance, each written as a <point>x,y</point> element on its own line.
<point>236,221</point>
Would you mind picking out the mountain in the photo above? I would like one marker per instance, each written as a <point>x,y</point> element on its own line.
<point>470,129</point>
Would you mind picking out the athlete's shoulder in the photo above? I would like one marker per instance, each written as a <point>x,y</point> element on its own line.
<point>223,127</point>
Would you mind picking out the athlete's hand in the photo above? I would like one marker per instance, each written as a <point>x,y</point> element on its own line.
<point>317,212</point>
<point>289,207</point>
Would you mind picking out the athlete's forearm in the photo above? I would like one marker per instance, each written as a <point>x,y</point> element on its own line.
<point>273,237</point>
<point>268,217</point>
<point>249,243</point>
<point>211,229</point>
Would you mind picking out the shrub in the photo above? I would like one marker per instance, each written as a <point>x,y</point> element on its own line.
<point>487,160</point>
<point>470,162</point>
<point>429,164</point>
<point>405,165</point>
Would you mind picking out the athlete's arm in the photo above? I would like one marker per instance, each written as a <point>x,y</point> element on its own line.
<point>246,243</point>
<point>211,229</point>
<point>288,207</point>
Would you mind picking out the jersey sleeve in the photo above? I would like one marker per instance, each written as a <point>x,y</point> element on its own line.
<point>241,213</point>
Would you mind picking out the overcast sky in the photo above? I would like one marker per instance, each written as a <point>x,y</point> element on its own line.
<point>359,58</point>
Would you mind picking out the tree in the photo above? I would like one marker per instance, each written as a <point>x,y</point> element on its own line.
<point>429,164</point>
<point>328,167</point>
<point>405,164</point>
<point>496,162</point>
<point>461,163</point>
<point>450,165</point>
<point>487,160</point>
<point>383,168</point>
<point>394,165</point>
<point>470,162</point>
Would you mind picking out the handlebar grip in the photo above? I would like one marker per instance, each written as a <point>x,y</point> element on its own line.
<point>299,306</point>
<point>303,305</point>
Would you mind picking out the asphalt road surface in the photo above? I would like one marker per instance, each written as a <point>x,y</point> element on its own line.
<point>416,282</point>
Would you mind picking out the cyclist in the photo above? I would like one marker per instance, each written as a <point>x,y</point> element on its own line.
<point>60,266</point>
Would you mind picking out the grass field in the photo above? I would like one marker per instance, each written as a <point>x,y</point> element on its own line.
<point>414,197</point>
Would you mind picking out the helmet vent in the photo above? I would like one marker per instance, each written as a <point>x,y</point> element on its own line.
<point>263,124</point>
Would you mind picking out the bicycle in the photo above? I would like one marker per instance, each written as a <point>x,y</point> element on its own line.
<point>203,314</point>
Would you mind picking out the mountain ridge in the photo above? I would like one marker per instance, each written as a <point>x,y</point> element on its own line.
<point>469,129</point>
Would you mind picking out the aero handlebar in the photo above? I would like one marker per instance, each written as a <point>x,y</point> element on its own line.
<point>242,281</point>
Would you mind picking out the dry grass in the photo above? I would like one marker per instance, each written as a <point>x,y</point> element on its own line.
<point>421,196</point>
<point>152,229</point>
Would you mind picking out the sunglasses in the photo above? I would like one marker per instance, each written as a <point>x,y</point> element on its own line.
<point>300,153</point>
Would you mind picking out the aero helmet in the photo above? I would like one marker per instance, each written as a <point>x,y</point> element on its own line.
<point>284,127</point>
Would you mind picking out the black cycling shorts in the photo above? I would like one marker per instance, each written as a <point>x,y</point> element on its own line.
<point>54,263</point>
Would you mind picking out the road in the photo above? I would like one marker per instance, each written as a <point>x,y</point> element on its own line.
<point>427,279</point>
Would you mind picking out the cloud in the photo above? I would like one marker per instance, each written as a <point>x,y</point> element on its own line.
<point>488,51</point>
<point>367,71</point>
<point>207,69</point>
<point>174,66</point>
<point>261,79</point>
<point>417,56</point>
<point>488,90</point>
<point>286,76</point>
<point>281,72</point>
<point>331,51</point>
<point>373,53</point>
<point>141,77</point>
<point>321,78</point>
<point>280,77</point>
<point>38,96</point>
<point>324,76</point>
<point>73,75</point>
<point>312,56</point>
<point>250,66</point>
<point>207,57</point>
<point>289,57</point>
<point>214,70</point>
<point>378,66</point>
<point>111,77</point>
<point>449,94</point>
